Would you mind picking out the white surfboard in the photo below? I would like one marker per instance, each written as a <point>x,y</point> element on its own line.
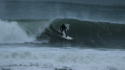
<point>68,37</point>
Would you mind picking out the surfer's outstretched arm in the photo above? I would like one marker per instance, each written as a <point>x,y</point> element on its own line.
<point>66,28</point>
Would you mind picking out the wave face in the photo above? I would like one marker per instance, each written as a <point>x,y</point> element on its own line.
<point>85,33</point>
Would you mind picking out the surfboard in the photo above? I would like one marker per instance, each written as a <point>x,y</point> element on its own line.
<point>68,37</point>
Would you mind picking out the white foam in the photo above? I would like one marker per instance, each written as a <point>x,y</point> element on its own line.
<point>25,68</point>
<point>35,28</point>
<point>11,32</point>
<point>85,59</point>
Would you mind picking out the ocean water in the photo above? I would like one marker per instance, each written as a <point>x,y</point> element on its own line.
<point>30,35</point>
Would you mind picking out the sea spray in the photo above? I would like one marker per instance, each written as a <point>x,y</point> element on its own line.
<point>11,32</point>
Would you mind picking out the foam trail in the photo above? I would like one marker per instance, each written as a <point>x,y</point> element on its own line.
<point>76,59</point>
<point>11,32</point>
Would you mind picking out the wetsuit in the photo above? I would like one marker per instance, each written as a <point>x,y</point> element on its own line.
<point>63,27</point>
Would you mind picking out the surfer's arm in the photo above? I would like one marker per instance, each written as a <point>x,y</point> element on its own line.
<point>66,28</point>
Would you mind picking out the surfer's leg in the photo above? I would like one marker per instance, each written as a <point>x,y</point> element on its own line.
<point>66,32</point>
<point>61,32</point>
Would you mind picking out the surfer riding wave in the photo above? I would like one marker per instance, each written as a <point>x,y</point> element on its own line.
<point>63,28</point>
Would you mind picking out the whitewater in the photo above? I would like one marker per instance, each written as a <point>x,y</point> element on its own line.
<point>48,58</point>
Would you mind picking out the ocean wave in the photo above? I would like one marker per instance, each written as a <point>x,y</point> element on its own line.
<point>85,33</point>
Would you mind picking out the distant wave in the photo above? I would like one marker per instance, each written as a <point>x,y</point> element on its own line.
<point>49,10</point>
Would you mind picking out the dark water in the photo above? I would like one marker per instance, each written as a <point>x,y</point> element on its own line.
<point>57,9</point>
<point>87,34</point>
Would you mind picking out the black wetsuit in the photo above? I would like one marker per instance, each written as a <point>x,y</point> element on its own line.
<point>63,27</point>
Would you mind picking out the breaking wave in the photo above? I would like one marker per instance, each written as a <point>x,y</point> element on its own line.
<point>85,33</point>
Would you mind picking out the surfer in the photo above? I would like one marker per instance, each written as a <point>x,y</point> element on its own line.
<point>63,27</point>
